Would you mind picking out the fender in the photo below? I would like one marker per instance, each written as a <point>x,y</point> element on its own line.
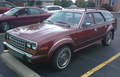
<point>59,43</point>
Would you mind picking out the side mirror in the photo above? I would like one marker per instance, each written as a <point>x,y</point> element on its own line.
<point>16,15</point>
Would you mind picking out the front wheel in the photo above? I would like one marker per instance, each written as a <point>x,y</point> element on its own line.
<point>4,26</point>
<point>107,40</point>
<point>61,58</point>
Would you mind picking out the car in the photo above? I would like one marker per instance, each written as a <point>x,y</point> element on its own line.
<point>5,6</point>
<point>20,16</point>
<point>52,8</point>
<point>58,37</point>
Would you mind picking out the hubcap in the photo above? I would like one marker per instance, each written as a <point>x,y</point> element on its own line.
<point>6,26</point>
<point>109,37</point>
<point>64,58</point>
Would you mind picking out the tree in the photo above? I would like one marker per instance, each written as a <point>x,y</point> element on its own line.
<point>38,3</point>
<point>57,2</point>
<point>66,3</point>
<point>107,7</point>
<point>82,3</point>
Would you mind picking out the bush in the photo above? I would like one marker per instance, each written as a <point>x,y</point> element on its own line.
<point>107,7</point>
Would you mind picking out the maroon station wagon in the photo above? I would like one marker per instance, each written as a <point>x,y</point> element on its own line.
<point>20,16</point>
<point>5,6</point>
<point>60,35</point>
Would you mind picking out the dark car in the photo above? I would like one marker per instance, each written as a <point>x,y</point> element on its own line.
<point>5,6</point>
<point>20,16</point>
<point>60,35</point>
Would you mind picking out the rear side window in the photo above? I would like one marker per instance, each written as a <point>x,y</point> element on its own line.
<point>57,8</point>
<point>50,8</point>
<point>34,11</point>
<point>107,16</point>
<point>99,18</point>
<point>2,4</point>
<point>8,5</point>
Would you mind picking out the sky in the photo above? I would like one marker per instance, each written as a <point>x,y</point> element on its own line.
<point>73,1</point>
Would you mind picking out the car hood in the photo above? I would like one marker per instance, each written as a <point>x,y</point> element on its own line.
<point>38,31</point>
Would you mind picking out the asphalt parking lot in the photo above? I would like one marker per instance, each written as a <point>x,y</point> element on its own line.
<point>93,61</point>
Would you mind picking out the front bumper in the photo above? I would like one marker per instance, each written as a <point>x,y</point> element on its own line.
<point>21,54</point>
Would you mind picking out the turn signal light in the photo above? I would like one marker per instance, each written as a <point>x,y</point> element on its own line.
<point>30,50</point>
<point>7,40</point>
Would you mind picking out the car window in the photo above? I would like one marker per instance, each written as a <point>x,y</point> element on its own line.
<point>8,5</point>
<point>50,8</point>
<point>88,19</point>
<point>11,12</point>
<point>22,12</point>
<point>2,4</point>
<point>34,11</point>
<point>107,16</point>
<point>99,18</point>
<point>57,8</point>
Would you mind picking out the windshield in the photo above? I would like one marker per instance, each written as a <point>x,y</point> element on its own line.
<point>11,12</point>
<point>68,18</point>
<point>44,8</point>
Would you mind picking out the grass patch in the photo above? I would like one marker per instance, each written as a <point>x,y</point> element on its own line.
<point>1,75</point>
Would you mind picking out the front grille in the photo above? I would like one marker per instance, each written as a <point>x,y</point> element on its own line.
<point>17,42</point>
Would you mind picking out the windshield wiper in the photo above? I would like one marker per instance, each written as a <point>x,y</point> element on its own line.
<point>63,22</point>
<point>49,21</point>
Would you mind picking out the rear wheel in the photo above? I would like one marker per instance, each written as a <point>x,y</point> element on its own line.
<point>4,26</point>
<point>107,40</point>
<point>61,58</point>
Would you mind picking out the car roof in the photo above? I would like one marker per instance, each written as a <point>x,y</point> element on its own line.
<point>21,7</point>
<point>53,6</point>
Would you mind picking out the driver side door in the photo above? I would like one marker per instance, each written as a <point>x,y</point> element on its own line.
<point>86,34</point>
<point>21,18</point>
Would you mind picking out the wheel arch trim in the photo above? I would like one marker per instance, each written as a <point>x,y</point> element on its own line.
<point>59,42</point>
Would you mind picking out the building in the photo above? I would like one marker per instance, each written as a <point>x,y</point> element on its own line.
<point>115,4</point>
<point>23,2</point>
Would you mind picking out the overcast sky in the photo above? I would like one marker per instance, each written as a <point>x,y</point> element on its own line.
<point>73,1</point>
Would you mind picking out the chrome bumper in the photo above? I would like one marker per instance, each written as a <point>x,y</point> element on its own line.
<point>20,53</point>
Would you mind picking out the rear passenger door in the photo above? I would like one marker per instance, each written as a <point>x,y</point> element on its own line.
<point>101,24</point>
<point>35,15</point>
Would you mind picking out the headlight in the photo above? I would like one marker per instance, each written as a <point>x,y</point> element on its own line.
<point>34,46</point>
<point>9,36</point>
<point>28,44</point>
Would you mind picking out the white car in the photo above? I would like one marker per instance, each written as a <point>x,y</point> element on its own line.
<point>52,9</point>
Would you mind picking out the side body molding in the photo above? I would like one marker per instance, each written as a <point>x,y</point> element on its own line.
<point>64,39</point>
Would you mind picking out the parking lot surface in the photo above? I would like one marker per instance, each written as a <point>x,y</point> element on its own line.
<point>93,61</point>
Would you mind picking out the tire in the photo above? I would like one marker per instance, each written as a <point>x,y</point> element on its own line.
<point>4,26</point>
<point>61,58</point>
<point>107,40</point>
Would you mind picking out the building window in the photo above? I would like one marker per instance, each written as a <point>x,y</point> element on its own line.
<point>111,2</point>
<point>98,2</point>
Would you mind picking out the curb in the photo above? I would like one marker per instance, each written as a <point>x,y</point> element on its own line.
<point>17,66</point>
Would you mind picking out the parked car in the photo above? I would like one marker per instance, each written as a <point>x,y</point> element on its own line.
<point>52,8</point>
<point>20,16</point>
<point>5,6</point>
<point>60,35</point>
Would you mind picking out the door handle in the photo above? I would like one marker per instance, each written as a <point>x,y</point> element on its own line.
<point>95,29</point>
<point>105,26</point>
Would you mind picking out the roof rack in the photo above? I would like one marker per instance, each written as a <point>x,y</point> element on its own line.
<point>93,8</point>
